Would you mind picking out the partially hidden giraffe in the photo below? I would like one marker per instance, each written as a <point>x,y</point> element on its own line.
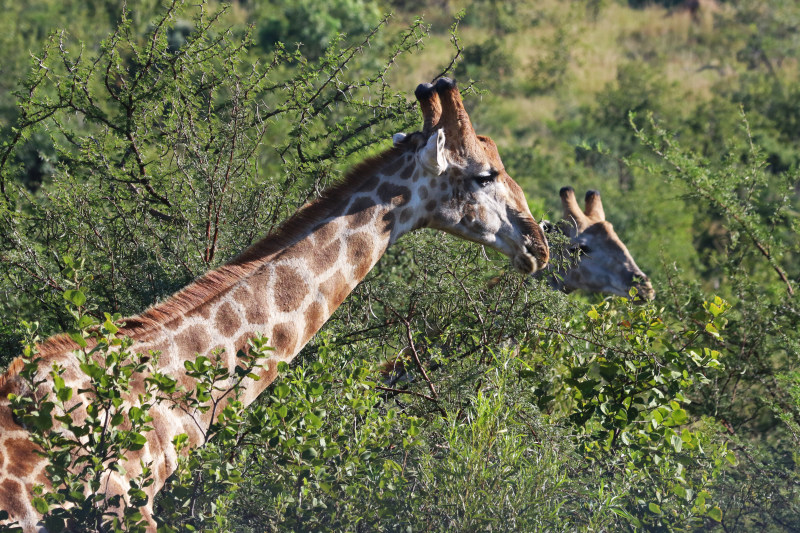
<point>287,285</point>
<point>596,260</point>
<point>604,263</point>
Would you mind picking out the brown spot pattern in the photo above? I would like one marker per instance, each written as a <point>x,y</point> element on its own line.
<point>41,478</point>
<point>257,306</point>
<point>299,249</point>
<point>13,494</point>
<point>324,233</point>
<point>406,172</point>
<point>227,320</point>
<point>284,338</point>
<point>315,317</point>
<point>431,205</point>
<point>360,212</point>
<point>405,215</point>
<point>203,310</point>
<point>325,257</point>
<point>395,194</point>
<point>335,289</point>
<point>240,344</point>
<point>359,254</point>
<point>369,184</point>
<point>175,323</point>
<point>194,340</point>
<point>269,374</point>
<point>290,289</point>
<point>388,219</point>
<point>20,457</point>
<point>423,192</point>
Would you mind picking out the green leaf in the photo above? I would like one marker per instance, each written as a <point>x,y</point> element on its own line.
<point>78,338</point>
<point>679,416</point>
<point>313,420</point>
<point>654,508</point>
<point>64,394</point>
<point>40,504</point>
<point>75,296</point>
<point>715,513</point>
<point>110,327</point>
<point>281,391</point>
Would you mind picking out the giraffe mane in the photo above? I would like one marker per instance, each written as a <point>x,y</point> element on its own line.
<point>13,369</point>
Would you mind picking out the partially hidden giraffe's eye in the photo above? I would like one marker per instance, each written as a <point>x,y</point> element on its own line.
<point>580,249</point>
<point>485,178</point>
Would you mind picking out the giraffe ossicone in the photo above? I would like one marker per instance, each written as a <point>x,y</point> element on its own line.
<point>603,262</point>
<point>288,284</point>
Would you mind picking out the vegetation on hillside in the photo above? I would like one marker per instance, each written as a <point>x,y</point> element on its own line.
<point>133,162</point>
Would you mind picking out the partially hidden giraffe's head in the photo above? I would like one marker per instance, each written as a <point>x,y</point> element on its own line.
<point>467,191</point>
<point>604,263</point>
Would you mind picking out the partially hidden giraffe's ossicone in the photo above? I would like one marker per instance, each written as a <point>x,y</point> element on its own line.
<point>603,263</point>
<point>288,284</point>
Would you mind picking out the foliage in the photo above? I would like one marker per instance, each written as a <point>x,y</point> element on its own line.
<point>87,433</point>
<point>322,451</point>
<point>168,147</point>
<point>313,26</point>
<point>626,393</point>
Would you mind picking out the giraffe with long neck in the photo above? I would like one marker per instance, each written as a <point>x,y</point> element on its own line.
<point>287,285</point>
<point>604,263</point>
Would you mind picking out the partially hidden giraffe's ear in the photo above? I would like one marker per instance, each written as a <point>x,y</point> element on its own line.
<point>455,120</point>
<point>571,209</point>
<point>432,155</point>
<point>594,206</point>
<point>397,138</point>
<point>547,226</point>
<point>430,105</point>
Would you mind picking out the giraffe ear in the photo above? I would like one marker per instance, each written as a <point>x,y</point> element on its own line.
<point>397,138</point>
<point>432,154</point>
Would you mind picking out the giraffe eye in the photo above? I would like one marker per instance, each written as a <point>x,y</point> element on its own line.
<point>486,178</point>
<point>580,249</point>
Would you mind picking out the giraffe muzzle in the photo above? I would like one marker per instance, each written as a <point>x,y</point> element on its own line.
<point>531,259</point>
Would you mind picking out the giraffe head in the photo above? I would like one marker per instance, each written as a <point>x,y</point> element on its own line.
<point>466,190</point>
<point>604,263</point>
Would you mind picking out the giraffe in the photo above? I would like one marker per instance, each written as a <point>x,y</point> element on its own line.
<point>288,284</point>
<point>605,264</point>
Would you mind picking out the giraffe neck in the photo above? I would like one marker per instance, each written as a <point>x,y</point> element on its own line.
<point>285,288</point>
<point>289,293</point>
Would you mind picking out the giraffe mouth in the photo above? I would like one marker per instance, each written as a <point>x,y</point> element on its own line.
<point>529,260</point>
<point>645,293</point>
<point>532,258</point>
